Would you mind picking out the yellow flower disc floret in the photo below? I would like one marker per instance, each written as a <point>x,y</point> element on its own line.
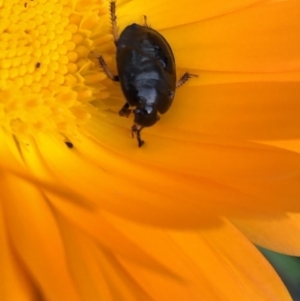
<point>46,78</point>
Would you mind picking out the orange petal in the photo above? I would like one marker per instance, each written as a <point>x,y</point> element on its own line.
<point>95,225</point>
<point>213,257</point>
<point>250,111</point>
<point>95,270</point>
<point>169,14</point>
<point>10,155</point>
<point>280,235</point>
<point>163,185</point>
<point>262,38</point>
<point>14,282</point>
<point>36,238</point>
<point>291,145</point>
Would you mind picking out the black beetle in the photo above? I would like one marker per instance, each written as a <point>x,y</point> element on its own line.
<point>146,72</point>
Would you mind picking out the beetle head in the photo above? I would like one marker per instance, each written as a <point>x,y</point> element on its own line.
<point>145,116</point>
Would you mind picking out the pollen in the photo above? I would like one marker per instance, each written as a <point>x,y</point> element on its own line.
<point>45,65</point>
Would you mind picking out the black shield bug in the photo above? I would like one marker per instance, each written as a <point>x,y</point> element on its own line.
<point>146,72</point>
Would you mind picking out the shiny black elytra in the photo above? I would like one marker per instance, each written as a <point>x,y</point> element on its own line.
<point>146,72</point>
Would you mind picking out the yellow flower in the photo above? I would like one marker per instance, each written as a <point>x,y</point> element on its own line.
<point>86,215</point>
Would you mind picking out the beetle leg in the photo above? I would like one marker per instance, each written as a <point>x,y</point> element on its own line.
<point>125,111</point>
<point>113,18</point>
<point>136,130</point>
<point>184,78</point>
<point>102,63</point>
<point>139,139</point>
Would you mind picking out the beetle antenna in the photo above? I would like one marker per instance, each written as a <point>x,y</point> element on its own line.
<point>145,22</point>
<point>113,18</point>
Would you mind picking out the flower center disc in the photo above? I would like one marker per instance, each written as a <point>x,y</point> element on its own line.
<point>46,82</point>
